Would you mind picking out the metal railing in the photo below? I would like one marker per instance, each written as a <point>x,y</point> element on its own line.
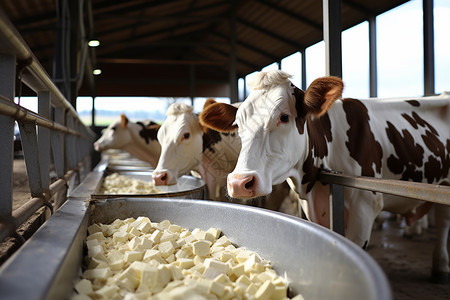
<point>54,140</point>
<point>416,190</point>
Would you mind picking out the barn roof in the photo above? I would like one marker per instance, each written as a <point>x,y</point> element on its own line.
<point>165,47</point>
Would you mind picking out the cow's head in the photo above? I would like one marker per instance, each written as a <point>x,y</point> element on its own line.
<point>180,137</point>
<point>271,125</point>
<point>116,135</point>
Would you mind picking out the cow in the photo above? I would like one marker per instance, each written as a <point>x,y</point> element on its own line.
<point>287,133</point>
<point>138,139</point>
<point>187,146</point>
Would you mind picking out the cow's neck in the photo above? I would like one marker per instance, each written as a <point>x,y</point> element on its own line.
<point>149,152</point>
<point>221,149</point>
<point>315,134</point>
<point>219,157</point>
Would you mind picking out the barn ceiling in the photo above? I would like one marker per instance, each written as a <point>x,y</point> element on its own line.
<point>174,47</point>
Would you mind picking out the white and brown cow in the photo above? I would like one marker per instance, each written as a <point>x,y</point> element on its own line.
<point>288,133</point>
<point>138,139</point>
<point>186,146</point>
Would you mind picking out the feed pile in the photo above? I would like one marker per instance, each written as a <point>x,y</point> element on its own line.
<point>140,259</point>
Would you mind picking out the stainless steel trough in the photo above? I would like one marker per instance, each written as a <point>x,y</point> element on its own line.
<point>187,187</point>
<point>318,263</point>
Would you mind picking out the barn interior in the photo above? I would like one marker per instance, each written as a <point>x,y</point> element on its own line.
<point>182,48</point>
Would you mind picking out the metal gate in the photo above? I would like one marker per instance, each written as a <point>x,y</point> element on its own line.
<point>53,139</point>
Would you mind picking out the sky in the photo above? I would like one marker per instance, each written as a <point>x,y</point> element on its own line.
<point>399,56</point>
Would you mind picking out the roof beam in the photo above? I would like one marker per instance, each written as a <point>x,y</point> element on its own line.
<point>273,35</point>
<point>291,14</point>
<point>162,61</point>
<point>250,47</point>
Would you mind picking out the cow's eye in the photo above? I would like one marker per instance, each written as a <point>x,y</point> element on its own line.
<point>114,128</point>
<point>186,136</point>
<point>284,118</point>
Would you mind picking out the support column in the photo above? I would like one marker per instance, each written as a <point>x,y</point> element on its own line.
<point>7,90</point>
<point>192,83</point>
<point>67,49</point>
<point>373,70</point>
<point>303,52</point>
<point>428,47</point>
<point>233,60</point>
<point>332,28</point>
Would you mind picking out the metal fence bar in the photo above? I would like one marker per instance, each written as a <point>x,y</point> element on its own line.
<point>7,107</point>
<point>41,135</point>
<point>417,190</point>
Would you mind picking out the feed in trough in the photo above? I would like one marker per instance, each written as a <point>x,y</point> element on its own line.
<point>136,258</point>
<point>121,184</point>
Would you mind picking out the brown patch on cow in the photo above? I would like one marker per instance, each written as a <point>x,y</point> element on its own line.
<point>410,120</point>
<point>436,169</point>
<point>300,120</point>
<point>149,132</point>
<point>436,166</point>
<point>413,102</point>
<point>424,123</point>
<point>210,137</point>
<point>362,145</point>
<point>311,172</point>
<point>319,132</point>
<point>408,154</point>
<point>219,116</point>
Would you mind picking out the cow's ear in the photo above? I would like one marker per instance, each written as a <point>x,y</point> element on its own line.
<point>208,102</point>
<point>321,94</point>
<point>219,116</point>
<point>124,120</point>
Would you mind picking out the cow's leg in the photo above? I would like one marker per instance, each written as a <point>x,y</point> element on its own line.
<point>363,207</point>
<point>440,269</point>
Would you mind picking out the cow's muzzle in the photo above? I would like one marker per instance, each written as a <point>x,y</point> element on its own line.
<point>161,178</point>
<point>244,186</point>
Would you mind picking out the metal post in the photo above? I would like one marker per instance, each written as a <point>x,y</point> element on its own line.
<point>337,208</point>
<point>44,139</point>
<point>7,89</point>
<point>373,71</point>
<point>233,60</point>
<point>192,83</point>
<point>332,28</point>
<point>303,52</point>
<point>428,47</point>
<point>58,143</point>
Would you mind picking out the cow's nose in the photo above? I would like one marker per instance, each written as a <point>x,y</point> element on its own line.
<point>161,178</point>
<point>97,146</point>
<point>241,186</point>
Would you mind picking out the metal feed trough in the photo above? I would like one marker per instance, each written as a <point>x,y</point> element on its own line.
<point>308,254</point>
